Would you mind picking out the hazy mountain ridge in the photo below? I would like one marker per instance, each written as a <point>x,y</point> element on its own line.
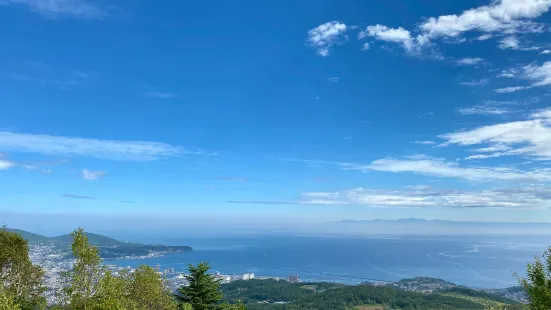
<point>433,227</point>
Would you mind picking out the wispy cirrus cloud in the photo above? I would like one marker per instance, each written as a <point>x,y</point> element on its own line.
<point>261,202</point>
<point>44,75</point>
<point>161,95</point>
<point>480,82</point>
<point>233,179</point>
<point>325,36</point>
<point>439,167</point>
<point>103,149</point>
<point>489,107</point>
<point>528,138</point>
<point>72,196</point>
<point>516,197</point>
<point>92,175</point>
<point>53,9</point>
<point>539,75</point>
<point>510,89</point>
<point>470,61</point>
<point>424,142</point>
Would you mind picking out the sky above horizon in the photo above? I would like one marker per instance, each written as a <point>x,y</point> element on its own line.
<point>276,112</point>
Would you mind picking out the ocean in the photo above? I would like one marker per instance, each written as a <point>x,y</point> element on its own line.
<point>481,262</point>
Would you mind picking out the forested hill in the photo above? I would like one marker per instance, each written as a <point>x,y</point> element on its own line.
<point>94,239</point>
<point>109,248</point>
<point>273,294</point>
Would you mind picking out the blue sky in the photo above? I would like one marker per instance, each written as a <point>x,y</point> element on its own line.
<point>276,112</point>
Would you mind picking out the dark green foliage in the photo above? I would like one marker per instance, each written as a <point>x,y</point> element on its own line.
<point>203,291</point>
<point>538,282</point>
<point>335,296</point>
<point>22,282</point>
<point>270,290</point>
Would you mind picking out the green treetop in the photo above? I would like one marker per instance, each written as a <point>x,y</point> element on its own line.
<point>22,282</point>
<point>538,282</point>
<point>203,292</point>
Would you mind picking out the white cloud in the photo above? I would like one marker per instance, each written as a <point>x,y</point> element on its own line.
<point>161,95</point>
<point>484,37</point>
<point>505,17</point>
<point>530,138</point>
<point>487,108</point>
<point>508,73</point>
<point>493,148</point>
<point>81,9</point>
<point>104,149</point>
<point>470,61</point>
<point>334,79</point>
<point>509,43</point>
<point>365,47</point>
<point>545,52</point>
<point>396,35</point>
<point>6,164</point>
<point>92,175</point>
<point>425,114</point>
<point>513,43</point>
<point>541,75</point>
<point>480,82</point>
<point>424,142</point>
<point>438,167</point>
<point>502,16</point>
<point>519,197</point>
<point>326,35</point>
<point>506,90</point>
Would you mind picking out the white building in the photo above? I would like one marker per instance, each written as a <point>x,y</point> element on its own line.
<point>248,276</point>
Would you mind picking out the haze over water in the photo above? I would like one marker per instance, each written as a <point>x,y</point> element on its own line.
<point>484,262</point>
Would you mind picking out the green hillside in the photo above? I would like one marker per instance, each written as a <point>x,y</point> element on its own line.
<point>109,248</point>
<point>272,295</point>
<point>94,239</point>
<point>29,236</point>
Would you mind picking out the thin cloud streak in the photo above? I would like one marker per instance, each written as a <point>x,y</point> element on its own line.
<point>103,149</point>
<point>78,9</point>
<point>72,196</point>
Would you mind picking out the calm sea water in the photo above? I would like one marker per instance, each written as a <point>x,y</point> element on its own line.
<point>487,262</point>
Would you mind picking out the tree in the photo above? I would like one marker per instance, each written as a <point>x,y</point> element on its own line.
<point>22,281</point>
<point>149,291</point>
<point>6,301</point>
<point>112,292</point>
<point>538,282</point>
<point>84,276</point>
<point>203,291</point>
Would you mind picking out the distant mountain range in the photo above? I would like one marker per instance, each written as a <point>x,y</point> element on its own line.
<point>432,227</point>
<point>109,248</point>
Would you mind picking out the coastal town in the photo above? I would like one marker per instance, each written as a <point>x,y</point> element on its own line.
<point>54,260</point>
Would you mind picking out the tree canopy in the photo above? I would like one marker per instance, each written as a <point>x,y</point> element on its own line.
<point>22,282</point>
<point>537,282</point>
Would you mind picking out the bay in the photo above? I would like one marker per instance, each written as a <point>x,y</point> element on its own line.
<point>483,262</point>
